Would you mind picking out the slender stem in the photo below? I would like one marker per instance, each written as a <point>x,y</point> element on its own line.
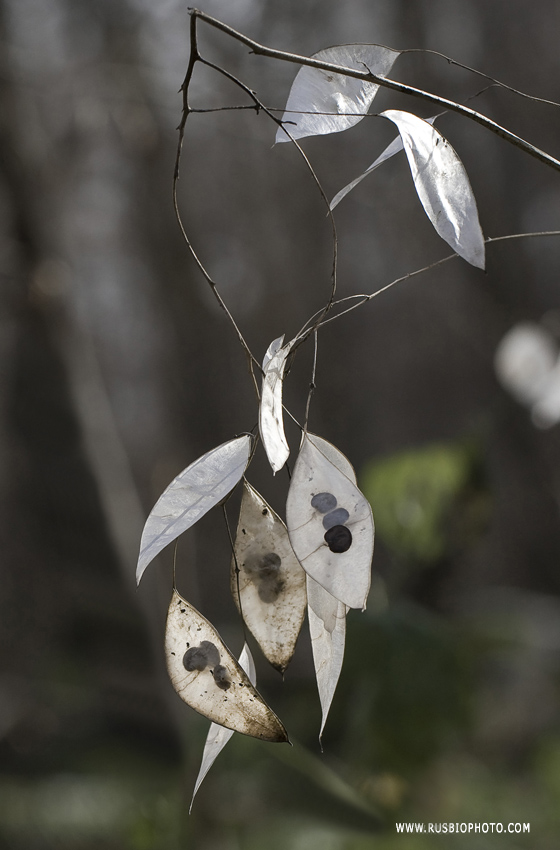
<point>363,299</point>
<point>312,384</point>
<point>261,107</point>
<point>481,74</point>
<point>237,571</point>
<point>367,76</point>
<point>193,59</point>
<point>523,235</point>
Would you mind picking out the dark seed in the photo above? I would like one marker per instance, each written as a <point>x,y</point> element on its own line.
<point>338,538</point>
<point>262,566</point>
<point>211,651</point>
<point>323,502</point>
<point>222,677</point>
<point>195,659</point>
<point>199,657</point>
<point>337,517</point>
<point>270,564</point>
<point>270,589</point>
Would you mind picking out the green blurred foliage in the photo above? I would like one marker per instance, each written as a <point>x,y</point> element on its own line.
<point>405,689</point>
<point>428,500</point>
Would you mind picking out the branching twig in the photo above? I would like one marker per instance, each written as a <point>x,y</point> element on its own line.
<point>363,299</point>
<point>366,76</point>
<point>193,59</point>
<point>480,74</point>
<point>321,317</point>
<point>261,107</point>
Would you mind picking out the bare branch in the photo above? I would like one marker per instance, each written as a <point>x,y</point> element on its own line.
<point>363,299</point>
<point>481,74</point>
<point>193,59</point>
<point>262,50</point>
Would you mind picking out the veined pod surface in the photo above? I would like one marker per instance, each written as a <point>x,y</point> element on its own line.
<point>221,692</point>
<point>339,560</point>
<point>269,589</point>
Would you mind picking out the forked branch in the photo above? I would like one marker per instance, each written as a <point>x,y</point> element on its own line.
<point>367,76</point>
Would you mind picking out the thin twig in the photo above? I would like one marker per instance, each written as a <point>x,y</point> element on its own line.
<point>325,310</point>
<point>237,571</point>
<point>367,76</point>
<point>363,299</point>
<point>313,377</point>
<point>193,59</point>
<point>480,74</point>
<point>259,105</point>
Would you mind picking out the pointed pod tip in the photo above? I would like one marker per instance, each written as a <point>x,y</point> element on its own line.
<point>285,739</point>
<point>279,667</point>
<point>476,258</point>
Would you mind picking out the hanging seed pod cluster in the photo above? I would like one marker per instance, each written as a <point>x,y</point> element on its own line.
<point>317,562</point>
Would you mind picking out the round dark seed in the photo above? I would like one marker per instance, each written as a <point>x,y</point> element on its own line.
<point>211,652</point>
<point>337,517</point>
<point>338,538</point>
<point>323,502</point>
<point>262,566</point>
<point>270,589</point>
<point>222,677</point>
<point>195,659</point>
<point>270,564</point>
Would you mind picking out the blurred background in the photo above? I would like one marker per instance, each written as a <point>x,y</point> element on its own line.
<point>118,369</point>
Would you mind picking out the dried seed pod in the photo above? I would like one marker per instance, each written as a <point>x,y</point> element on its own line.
<point>271,424</point>
<point>322,469</point>
<point>267,581</point>
<point>327,627</point>
<point>238,705</point>
<point>199,487</point>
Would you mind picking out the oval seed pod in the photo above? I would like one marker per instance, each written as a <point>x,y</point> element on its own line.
<point>196,490</point>
<point>238,705</point>
<point>344,572</point>
<point>271,420</point>
<point>327,627</point>
<point>327,616</point>
<point>267,581</point>
<point>442,185</point>
<point>321,102</point>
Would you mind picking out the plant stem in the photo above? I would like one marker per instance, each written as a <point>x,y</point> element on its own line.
<point>367,76</point>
